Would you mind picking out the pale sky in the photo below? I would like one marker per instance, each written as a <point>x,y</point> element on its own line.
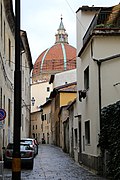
<point>41,19</point>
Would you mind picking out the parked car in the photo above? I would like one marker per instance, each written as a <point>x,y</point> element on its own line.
<point>32,142</point>
<point>26,152</point>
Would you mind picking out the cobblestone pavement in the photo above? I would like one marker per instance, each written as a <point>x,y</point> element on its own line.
<point>52,163</point>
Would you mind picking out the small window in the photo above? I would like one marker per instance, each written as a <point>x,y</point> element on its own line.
<point>48,89</point>
<point>83,143</point>
<point>42,117</point>
<point>45,116</point>
<point>36,126</point>
<point>33,127</point>
<point>4,102</point>
<point>22,120</point>
<point>1,20</point>
<point>87,132</point>
<point>9,110</point>
<point>76,138</point>
<point>4,36</point>
<point>47,98</point>
<point>86,78</point>
<point>9,53</point>
<point>1,98</point>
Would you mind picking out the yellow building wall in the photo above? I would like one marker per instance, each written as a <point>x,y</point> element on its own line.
<point>65,98</point>
<point>36,127</point>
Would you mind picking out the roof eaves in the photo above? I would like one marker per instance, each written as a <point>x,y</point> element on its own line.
<point>62,108</point>
<point>84,46</point>
<point>46,103</point>
<point>99,31</point>
<point>65,85</point>
<point>27,48</point>
<point>71,104</point>
<point>67,91</point>
<point>53,93</point>
<point>87,8</point>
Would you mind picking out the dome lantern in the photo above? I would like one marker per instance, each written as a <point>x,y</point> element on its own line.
<point>61,36</point>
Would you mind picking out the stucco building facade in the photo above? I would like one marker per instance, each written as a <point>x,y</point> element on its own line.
<point>59,58</point>
<point>7,66</point>
<point>98,65</point>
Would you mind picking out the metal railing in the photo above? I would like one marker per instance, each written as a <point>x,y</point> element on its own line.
<point>90,29</point>
<point>103,20</point>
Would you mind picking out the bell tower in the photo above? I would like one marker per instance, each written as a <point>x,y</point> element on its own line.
<point>61,36</point>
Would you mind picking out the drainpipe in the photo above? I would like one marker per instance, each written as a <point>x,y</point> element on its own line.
<point>99,61</point>
<point>99,87</point>
<point>99,81</point>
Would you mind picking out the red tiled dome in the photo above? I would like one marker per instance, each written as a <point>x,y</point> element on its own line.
<point>59,57</point>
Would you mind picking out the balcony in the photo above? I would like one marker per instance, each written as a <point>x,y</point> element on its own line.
<point>104,20</point>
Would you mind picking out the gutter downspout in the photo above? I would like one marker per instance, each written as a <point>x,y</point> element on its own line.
<point>99,61</point>
<point>99,82</point>
<point>99,86</point>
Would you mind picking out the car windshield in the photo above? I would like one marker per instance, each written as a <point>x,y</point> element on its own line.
<point>27,141</point>
<point>24,147</point>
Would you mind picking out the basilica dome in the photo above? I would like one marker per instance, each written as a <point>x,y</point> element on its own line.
<point>59,57</point>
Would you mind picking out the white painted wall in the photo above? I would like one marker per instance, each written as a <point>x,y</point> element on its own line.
<point>64,77</point>
<point>103,46</point>
<point>39,92</point>
<point>110,72</point>
<point>6,77</point>
<point>83,20</point>
<point>26,96</point>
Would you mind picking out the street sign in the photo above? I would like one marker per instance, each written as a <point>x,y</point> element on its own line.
<point>2,124</point>
<point>2,114</point>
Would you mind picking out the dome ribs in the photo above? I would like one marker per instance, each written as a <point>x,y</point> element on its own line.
<point>60,57</point>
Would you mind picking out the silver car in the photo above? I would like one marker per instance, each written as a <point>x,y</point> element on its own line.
<point>26,152</point>
<point>32,142</point>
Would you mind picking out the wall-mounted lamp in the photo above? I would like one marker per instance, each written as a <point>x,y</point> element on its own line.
<point>116,84</point>
<point>22,51</point>
<point>82,94</point>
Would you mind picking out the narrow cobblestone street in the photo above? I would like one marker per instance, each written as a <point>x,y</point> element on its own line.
<point>52,163</point>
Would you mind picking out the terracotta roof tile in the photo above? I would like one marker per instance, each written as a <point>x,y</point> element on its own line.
<point>60,56</point>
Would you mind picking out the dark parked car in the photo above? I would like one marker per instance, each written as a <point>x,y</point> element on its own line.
<point>26,152</point>
<point>32,142</point>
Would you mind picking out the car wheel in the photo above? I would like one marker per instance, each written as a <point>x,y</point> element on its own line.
<point>5,164</point>
<point>37,150</point>
<point>31,165</point>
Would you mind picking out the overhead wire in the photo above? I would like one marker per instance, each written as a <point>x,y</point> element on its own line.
<point>62,63</point>
<point>68,61</point>
<point>75,14</point>
<point>20,65</point>
<point>7,80</point>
